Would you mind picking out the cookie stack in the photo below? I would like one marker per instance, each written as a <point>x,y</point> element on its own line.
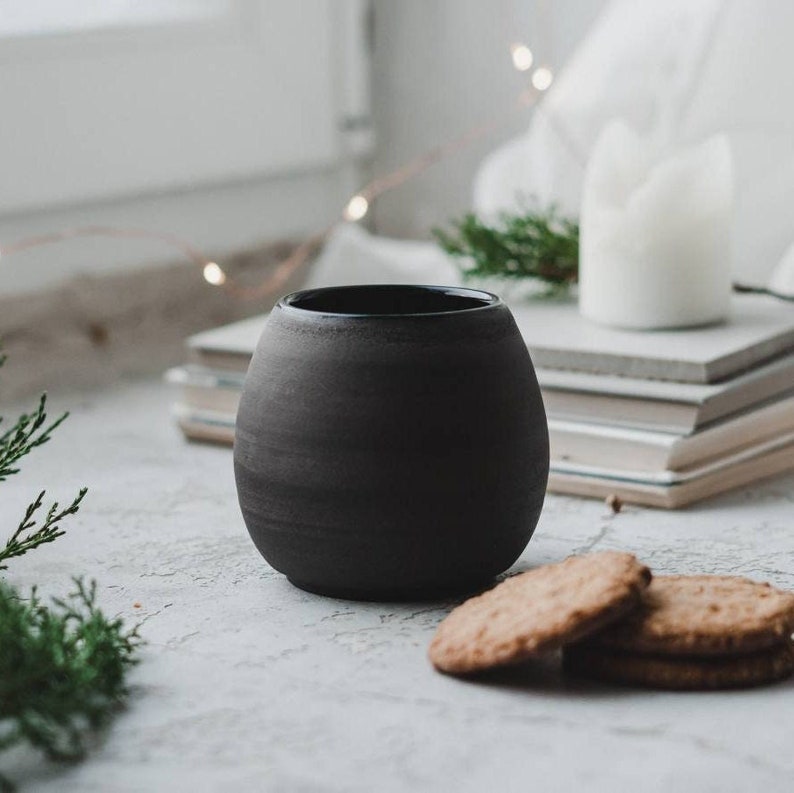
<point>615,622</point>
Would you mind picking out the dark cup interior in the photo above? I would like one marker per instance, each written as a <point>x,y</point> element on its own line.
<point>389,300</point>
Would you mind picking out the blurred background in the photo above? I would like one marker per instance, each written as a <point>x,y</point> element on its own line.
<point>232,122</point>
<point>238,128</point>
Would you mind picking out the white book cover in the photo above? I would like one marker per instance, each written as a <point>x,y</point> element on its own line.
<point>237,338</point>
<point>577,445</point>
<point>759,329</point>
<point>673,495</point>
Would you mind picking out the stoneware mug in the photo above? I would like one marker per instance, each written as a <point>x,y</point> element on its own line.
<point>391,441</point>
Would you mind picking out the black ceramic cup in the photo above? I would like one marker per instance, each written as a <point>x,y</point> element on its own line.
<point>391,441</point>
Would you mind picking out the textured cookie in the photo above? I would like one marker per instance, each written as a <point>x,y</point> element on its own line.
<point>704,615</point>
<point>680,673</point>
<point>538,611</point>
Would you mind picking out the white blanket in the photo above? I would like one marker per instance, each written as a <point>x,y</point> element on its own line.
<point>680,70</point>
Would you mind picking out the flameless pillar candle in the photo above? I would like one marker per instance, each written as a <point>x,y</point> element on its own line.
<point>655,233</point>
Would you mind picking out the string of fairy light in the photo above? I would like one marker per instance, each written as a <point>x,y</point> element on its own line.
<point>355,209</point>
<point>358,205</point>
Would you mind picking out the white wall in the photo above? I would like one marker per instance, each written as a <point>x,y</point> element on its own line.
<point>443,67</point>
<point>220,219</point>
<point>225,128</point>
<point>440,67</point>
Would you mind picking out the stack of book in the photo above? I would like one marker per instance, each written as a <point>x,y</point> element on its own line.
<point>662,418</point>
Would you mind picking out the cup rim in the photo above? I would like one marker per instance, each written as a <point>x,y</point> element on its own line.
<point>488,299</point>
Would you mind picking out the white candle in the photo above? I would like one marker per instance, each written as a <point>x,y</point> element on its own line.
<point>655,248</point>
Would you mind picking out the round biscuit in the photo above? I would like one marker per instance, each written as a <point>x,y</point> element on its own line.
<point>680,673</point>
<point>538,612</point>
<point>704,615</point>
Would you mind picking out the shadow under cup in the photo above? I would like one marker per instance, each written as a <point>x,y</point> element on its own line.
<point>391,441</point>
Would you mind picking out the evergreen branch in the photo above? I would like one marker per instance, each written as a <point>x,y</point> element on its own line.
<point>28,536</point>
<point>537,245</point>
<point>63,670</point>
<point>27,433</point>
<point>63,667</point>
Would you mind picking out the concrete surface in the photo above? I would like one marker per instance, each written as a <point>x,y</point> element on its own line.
<point>247,684</point>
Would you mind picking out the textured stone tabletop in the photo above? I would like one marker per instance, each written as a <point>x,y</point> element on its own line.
<point>248,684</point>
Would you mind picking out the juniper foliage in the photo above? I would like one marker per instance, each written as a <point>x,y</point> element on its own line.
<point>533,244</point>
<point>63,665</point>
<point>62,670</point>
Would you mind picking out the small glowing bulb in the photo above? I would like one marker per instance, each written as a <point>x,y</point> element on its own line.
<point>542,78</point>
<point>213,274</point>
<point>522,57</point>
<point>356,208</point>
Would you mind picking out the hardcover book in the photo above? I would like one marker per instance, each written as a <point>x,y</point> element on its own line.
<point>661,418</point>
<point>761,329</point>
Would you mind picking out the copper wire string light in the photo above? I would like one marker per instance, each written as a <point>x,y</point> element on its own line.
<point>354,210</point>
<point>188,250</point>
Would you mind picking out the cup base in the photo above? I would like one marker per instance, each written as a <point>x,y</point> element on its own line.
<point>395,594</point>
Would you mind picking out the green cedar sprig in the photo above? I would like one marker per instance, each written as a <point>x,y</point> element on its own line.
<point>539,245</point>
<point>29,432</point>
<point>63,666</point>
<point>62,670</point>
<point>29,536</point>
<point>26,434</point>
